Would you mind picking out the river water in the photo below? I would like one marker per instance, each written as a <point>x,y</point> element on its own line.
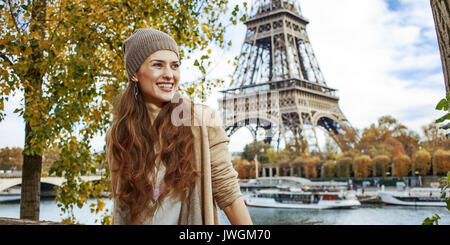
<point>364,215</point>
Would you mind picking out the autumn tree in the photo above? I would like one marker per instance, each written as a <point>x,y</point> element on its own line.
<point>272,155</point>
<point>329,169</point>
<point>299,163</point>
<point>408,139</point>
<point>381,164</point>
<point>286,159</point>
<point>66,59</point>
<point>370,137</point>
<point>242,167</point>
<point>421,162</point>
<point>396,146</point>
<point>347,139</point>
<point>256,148</point>
<point>331,150</point>
<point>11,158</point>
<point>253,169</point>
<point>310,167</point>
<point>402,165</point>
<point>331,147</point>
<point>361,166</point>
<point>344,167</point>
<point>434,138</point>
<point>50,156</point>
<point>441,162</point>
<point>388,137</point>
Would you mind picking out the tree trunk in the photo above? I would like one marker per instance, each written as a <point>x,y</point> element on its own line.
<point>441,14</point>
<point>32,163</point>
<point>31,187</point>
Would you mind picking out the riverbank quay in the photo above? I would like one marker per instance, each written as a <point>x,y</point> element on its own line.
<point>11,221</point>
<point>370,195</point>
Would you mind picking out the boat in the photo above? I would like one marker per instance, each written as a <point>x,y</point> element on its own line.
<point>267,183</point>
<point>299,199</point>
<point>414,197</point>
<point>10,195</point>
<point>9,198</point>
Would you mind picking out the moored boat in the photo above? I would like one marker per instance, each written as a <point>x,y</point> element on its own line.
<point>301,199</point>
<point>11,194</point>
<point>9,197</point>
<point>414,197</point>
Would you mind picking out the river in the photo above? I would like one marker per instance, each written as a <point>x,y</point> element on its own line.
<point>364,215</point>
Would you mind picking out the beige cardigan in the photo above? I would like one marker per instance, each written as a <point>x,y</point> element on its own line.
<point>218,182</point>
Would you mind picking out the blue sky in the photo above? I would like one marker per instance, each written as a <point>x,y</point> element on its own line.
<point>382,56</point>
<point>394,5</point>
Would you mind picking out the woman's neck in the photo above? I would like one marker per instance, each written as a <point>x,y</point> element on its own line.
<point>153,110</point>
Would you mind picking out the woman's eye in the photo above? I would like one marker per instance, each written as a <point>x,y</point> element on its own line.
<point>175,66</point>
<point>157,64</point>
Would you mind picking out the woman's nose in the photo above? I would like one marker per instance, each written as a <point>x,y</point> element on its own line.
<point>168,73</point>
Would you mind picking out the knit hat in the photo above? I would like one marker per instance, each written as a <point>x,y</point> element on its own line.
<point>141,44</point>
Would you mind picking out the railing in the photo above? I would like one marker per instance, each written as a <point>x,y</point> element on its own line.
<point>283,84</point>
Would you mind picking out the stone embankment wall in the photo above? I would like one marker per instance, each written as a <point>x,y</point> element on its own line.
<point>11,221</point>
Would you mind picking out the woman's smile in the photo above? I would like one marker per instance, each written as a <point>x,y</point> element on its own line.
<point>165,86</point>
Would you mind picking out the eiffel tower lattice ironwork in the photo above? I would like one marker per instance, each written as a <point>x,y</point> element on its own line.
<point>278,85</point>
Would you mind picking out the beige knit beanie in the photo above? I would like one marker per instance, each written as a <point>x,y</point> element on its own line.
<point>141,44</point>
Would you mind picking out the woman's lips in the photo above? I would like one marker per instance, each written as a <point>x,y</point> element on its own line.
<point>166,87</point>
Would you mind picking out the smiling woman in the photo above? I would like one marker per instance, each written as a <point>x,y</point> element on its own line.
<point>162,173</point>
<point>158,77</point>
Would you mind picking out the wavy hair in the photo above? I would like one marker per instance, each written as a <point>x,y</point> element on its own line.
<point>132,142</point>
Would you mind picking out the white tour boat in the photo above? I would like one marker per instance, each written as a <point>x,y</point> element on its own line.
<point>9,198</point>
<point>414,197</point>
<point>302,199</point>
<point>11,194</point>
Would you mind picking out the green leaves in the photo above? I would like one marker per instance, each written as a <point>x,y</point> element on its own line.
<point>432,221</point>
<point>443,118</point>
<point>444,105</point>
<point>445,182</point>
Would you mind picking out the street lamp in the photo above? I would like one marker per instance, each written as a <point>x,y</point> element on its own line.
<point>256,163</point>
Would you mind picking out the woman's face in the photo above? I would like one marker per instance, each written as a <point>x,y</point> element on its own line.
<point>159,77</point>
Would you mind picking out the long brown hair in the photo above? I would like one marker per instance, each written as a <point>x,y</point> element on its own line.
<point>132,141</point>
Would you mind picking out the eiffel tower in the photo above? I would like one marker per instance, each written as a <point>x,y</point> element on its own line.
<point>278,90</point>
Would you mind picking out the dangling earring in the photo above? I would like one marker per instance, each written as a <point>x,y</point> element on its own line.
<point>136,90</point>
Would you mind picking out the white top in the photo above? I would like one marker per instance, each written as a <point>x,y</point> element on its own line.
<point>168,212</point>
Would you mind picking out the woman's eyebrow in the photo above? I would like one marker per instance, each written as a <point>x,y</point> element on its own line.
<point>163,61</point>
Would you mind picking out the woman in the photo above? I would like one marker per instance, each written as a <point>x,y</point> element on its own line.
<point>167,169</point>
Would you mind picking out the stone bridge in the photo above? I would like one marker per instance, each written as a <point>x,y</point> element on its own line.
<point>6,183</point>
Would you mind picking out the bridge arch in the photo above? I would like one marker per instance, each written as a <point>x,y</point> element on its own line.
<point>46,182</point>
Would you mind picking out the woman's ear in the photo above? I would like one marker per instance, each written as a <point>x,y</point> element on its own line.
<point>134,78</point>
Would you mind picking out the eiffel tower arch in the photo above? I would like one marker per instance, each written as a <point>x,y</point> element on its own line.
<point>278,90</point>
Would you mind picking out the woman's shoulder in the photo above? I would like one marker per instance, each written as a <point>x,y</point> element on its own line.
<point>205,115</point>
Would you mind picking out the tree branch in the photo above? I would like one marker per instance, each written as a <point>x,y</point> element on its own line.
<point>13,18</point>
<point>3,56</point>
<point>200,7</point>
<point>59,23</point>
